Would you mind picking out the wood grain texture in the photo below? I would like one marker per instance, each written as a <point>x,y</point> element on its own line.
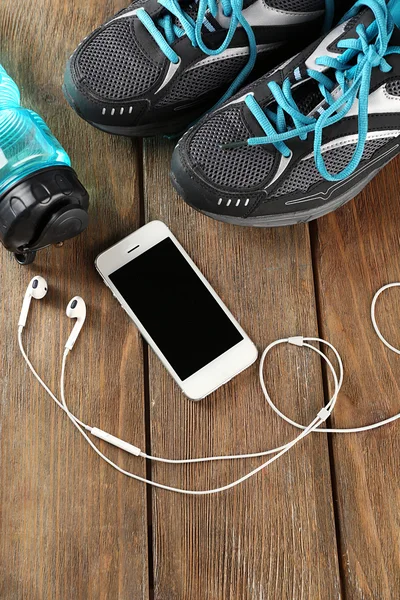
<point>71,527</point>
<point>356,252</point>
<point>274,536</point>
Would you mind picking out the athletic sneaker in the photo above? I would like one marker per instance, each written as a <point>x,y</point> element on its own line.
<point>155,67</point>
<point>305,138</point>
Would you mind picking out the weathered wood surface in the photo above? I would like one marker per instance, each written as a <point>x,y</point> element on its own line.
<point>356,252</point>
<point>70,526</point>
<point>321,523</point>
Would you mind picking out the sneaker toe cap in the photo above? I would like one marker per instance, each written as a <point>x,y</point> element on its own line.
<point>109,72</point>
<point>202,196</point>
<point>218,180</point>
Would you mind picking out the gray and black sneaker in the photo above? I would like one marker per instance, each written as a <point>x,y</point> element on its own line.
<point>305,138</point>
<point>156,66</point>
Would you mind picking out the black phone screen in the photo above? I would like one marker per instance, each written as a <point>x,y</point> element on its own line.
<point>176,308</point>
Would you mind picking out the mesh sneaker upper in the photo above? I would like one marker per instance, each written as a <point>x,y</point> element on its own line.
<point>202,79</point>
<point>155,69</point>
<point>305,174</point>
<point>297,5</point>
<point>393,87</point>
<point>235,168</point>
<point>114,66</point>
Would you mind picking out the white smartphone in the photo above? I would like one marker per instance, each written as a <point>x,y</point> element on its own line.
<point>176,310</point>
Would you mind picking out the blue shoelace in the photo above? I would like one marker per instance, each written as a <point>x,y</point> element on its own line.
<point>351,82</point>
<point>193,30</point>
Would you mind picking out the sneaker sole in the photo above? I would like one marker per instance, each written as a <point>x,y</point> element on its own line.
<point>294,218</point>
<point>176,130</point>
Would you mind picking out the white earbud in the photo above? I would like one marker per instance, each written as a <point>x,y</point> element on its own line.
<point>37,288</point>
<point>76,309</point>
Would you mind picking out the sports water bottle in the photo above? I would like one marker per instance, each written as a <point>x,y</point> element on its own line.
<point>42,201</point>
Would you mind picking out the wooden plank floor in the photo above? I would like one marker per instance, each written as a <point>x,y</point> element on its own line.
<point>322,523</point>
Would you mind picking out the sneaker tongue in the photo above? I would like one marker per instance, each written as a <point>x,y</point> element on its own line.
<point>307,95</point>
<point>364,17</point>
<point>305,91</point>
<point>191,9</point>
<point>247,3</point>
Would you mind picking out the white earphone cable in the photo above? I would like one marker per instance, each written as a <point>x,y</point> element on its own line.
<point>384,341</point>
<point>315,425</point>
<point>322,416</point>
<point>373,318</point>
<point>40,380</point>
<point>338,383</point>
